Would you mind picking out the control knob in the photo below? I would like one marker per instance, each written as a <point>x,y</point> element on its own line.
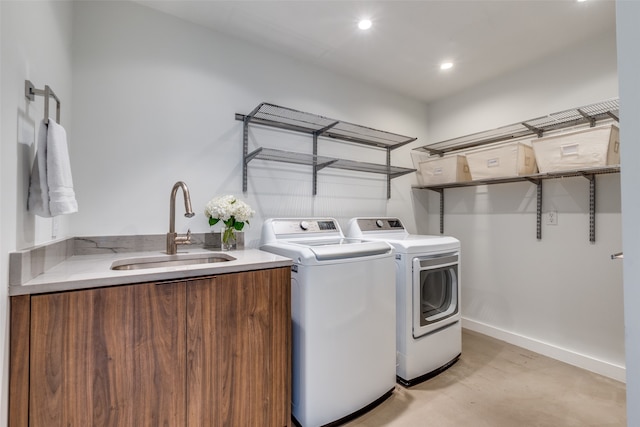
<point>304,225</point>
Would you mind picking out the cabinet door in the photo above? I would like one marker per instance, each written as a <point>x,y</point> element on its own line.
<point>19,361</point>
<point>238,345</point>
<point>108,357</point>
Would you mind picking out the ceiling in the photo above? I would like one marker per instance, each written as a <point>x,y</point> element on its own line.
<point>408,40</point>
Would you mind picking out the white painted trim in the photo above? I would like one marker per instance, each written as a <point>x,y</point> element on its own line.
<point>589,363</point>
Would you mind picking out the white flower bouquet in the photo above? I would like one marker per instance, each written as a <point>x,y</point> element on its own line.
<point>232,212</point>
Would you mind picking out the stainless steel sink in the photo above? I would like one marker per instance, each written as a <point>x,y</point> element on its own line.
<point>161,261</point>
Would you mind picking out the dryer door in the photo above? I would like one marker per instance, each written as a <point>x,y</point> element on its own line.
<point>435,292</point>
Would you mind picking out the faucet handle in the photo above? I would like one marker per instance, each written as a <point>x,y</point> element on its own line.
<point>184,240</point>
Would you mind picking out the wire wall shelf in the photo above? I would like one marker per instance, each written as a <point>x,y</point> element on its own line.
<point>271,154</point>
<point>531,178</point>
<point>317,126</point>
<point>605,111</point>
<point>587,115</point>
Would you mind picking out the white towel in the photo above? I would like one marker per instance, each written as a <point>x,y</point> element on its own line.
<point>62,198</point>
<point>38,201</point>
<point>51,188</point>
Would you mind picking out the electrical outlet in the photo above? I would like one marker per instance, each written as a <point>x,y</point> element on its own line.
<point>551,218</point>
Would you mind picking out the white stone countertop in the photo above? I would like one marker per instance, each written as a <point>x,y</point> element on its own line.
<point>92,271</point>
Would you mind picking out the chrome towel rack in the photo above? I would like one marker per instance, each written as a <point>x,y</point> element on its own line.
<point>30,92</point>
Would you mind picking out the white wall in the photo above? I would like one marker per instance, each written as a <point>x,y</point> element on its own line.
<point>628,15</point>
<point>561,296</point>
<point>156,106</point>
<point>35,44</point>
<point>4,323</point>
<point>4,315</point>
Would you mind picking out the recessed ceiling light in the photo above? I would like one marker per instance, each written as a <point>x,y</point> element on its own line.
<point>446,65</point>
<point>364,24</point>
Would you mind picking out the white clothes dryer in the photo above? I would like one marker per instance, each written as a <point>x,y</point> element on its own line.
<point>343,314</point>
<point>428,318</point>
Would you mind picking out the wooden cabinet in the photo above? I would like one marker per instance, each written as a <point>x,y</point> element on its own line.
<point>108,357</point>
<point>206,352</point>
<point>238,340</point>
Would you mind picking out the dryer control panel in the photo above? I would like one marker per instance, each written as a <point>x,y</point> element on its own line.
<point>377,224</point>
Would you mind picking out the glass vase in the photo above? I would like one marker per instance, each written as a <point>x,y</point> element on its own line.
<point>228,239</point>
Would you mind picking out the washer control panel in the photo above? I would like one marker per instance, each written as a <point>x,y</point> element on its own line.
<point>300,226</point>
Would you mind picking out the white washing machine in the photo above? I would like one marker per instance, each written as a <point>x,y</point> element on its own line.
<point>429,331</point>
<point>343,313</point>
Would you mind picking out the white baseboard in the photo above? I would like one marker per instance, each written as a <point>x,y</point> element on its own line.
<point>589,363</point>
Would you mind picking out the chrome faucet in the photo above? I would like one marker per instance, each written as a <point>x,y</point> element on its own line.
<point>173,240</point>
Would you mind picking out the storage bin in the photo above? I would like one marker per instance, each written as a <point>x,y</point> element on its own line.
<point>444,170</point>
<point>591,147</point>
<point>502,161</point>
<point>418,157</point>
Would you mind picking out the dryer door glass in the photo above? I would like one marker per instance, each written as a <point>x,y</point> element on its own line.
<point>435,292</point>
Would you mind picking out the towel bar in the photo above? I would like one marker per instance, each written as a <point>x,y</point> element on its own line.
<point>30,92</point>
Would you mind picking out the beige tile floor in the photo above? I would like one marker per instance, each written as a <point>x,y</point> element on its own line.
<point>495,384</point>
